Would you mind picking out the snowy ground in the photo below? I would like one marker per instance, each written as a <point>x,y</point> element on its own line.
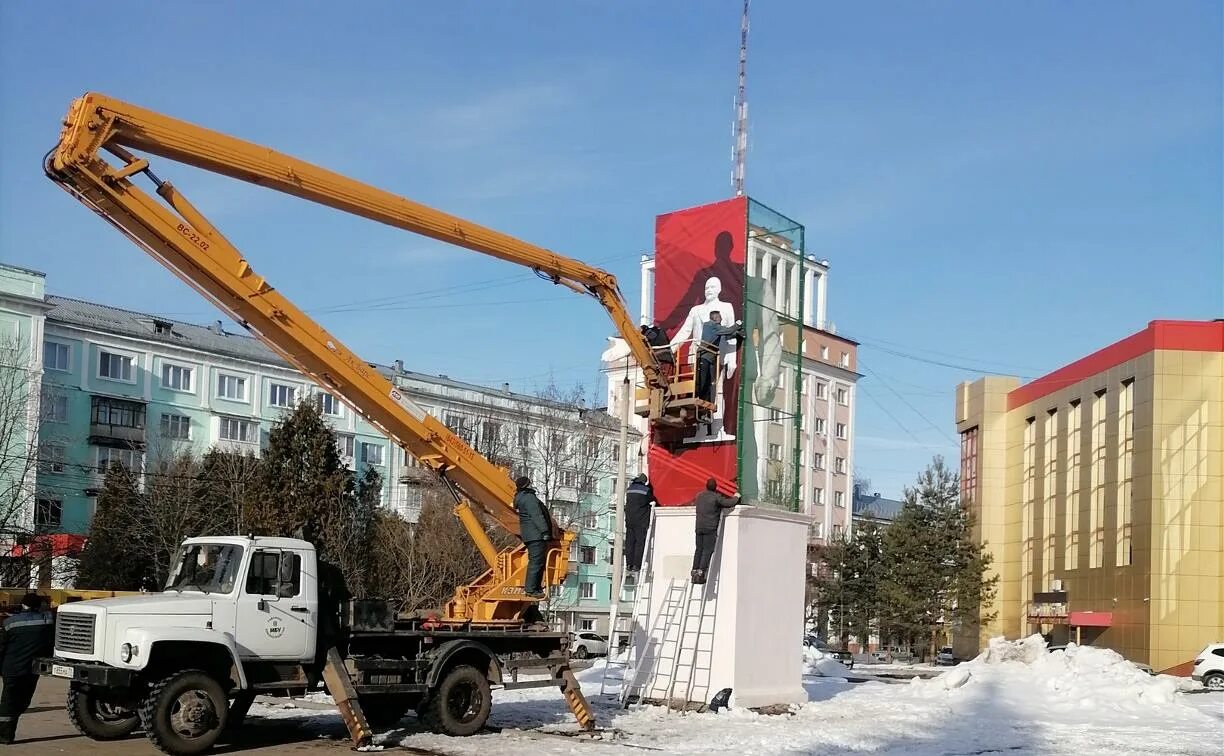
<point>1015,698</point>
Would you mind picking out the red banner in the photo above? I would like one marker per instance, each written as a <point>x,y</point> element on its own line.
<point>699,269</point>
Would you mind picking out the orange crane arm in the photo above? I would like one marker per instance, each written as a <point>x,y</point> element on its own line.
<point>183,240</point>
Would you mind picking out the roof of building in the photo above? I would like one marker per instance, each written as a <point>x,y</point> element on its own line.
<point>875,506</point>
<point>1174,335</point>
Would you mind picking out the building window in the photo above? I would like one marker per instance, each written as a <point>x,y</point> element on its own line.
<point>458,424</point>
<point>1071,507</point>
<point>586,625</point>
<point>176,426</point>
<point>243,431</point>
<point>106,456</point>
<point>50,458</point>
<point>819,426</point>
<point>819,496</point>
<point>837,530</point>
<point>57,408</point>
<point>491,434</point>
<point>556,442</point>
<point>232,387</point>
<point>372,454</point>
<point>57,356</point>
<point>839,465</point>
<point>818,529</point>
<point>1096,515</point>
<point>330,405</point>
<point>841,430</point>
<point>586,590</point>
<point>845,360</point>
<point>843,397</point>
<point>1126,459</point>
<point>1028,502</point>
<point>590,520</point>
<point>775,452</point>
<point>818,461</point>
<point>525,435</point>
<point>775,415</point>
<point>839,499</point>
<point>968,471</point>
<point>345,445</point>
<point>177,377</point>
<point>48,513</point>
<point>116,412</point>
<point>824,352</point>
<point>586,554</point>
<point>822,390</point>
<point>115,367</point>
<point>1049,488</point>
<point>282,395</point>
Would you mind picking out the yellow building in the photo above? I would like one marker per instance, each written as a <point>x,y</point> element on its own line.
<point>1099,490</point>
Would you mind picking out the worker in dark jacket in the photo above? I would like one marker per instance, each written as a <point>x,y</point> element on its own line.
<point>710,505</point>
<point>661,346</point>
<point>713,333</point>
<point>536,530</point>
<point>639,498</point>
<point>26,636</point>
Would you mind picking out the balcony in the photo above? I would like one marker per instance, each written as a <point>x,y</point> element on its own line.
<point>115,422</point>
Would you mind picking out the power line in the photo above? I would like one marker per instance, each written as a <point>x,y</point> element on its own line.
<point>891,416</point>
<point>916,411</point>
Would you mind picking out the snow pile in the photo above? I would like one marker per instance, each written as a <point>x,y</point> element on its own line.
<point>816,662</point>
<point>1081,677</point>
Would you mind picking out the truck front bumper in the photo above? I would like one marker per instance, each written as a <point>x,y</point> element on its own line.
<point>90,673</point>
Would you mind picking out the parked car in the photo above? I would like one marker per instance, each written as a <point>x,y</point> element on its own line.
<point>585,643</point>
<point>946,658</point>
<point>1209,666</point>
<point>845,657</point>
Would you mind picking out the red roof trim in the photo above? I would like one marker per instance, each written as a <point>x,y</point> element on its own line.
<point>1173,335</point>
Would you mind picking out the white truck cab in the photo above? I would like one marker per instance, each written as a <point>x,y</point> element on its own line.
<point>231,607</point>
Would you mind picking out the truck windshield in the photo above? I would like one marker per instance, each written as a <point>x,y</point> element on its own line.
<point>205,567</point>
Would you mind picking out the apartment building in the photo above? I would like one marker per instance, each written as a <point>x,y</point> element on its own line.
<point>121,387</point>
<point>1098,491</point>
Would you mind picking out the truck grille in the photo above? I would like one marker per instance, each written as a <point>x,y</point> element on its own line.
<point>74,632</point>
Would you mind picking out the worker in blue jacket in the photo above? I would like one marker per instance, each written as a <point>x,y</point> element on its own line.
<point>25,636</point>
<point>639,498</point>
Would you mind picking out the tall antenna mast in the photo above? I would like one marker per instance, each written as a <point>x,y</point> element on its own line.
<point>739,153</point>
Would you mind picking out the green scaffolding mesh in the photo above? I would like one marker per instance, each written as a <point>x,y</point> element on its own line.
<point>769,424</point>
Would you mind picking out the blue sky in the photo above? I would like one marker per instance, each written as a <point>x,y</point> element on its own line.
<point>999,187</point>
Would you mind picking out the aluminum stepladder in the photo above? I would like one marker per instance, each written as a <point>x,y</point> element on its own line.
<point>656,657</point>
<point>696,599</point>
<point>624,627</point>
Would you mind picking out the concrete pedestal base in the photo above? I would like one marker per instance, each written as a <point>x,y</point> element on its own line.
<point>742,629</point>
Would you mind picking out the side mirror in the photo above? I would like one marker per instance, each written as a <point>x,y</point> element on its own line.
<point>262,605</point>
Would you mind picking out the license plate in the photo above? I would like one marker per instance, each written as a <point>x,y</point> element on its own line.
<point>59,670</point>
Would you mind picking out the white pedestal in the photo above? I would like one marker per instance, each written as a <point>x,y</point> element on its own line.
<point>744,626</point>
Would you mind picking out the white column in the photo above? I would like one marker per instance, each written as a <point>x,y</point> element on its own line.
<point>822,282</point>
<point>809,278</point>
<point>750,259</point>
<point>793,304</point>
<point>780,286</point>
<point>647,303</point>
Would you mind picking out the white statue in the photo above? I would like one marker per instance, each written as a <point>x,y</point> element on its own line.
<point>690,331</point>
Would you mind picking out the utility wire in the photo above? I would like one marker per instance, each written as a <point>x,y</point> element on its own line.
<point>906,402</point>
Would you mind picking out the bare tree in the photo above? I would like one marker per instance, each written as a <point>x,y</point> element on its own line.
<point>20,406</point>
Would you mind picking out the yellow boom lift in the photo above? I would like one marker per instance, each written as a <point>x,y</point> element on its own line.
<point>174,232</point>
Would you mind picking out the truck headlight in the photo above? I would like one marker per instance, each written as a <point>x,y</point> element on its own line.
<point>125,652</point>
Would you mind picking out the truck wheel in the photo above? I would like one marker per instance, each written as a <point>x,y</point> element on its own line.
<point>385,710</point>
<point>97,718</point>
<point>185,713</point>
<point>460,704</point>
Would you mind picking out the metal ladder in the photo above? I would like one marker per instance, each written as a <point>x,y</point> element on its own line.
<point>697,598</point>
<point>647,666</point>
<point>640,601</point>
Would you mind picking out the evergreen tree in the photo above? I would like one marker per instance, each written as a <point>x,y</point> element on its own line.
<point>936,571</point>
<point>301,489</point>
<point>111,560</point>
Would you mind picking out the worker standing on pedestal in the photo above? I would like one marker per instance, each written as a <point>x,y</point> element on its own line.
<point>639,498</point>
<point>710,505</point>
